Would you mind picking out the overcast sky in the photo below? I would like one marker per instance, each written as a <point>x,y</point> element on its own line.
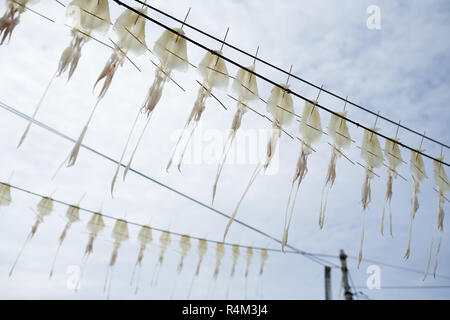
<point>400,70</point>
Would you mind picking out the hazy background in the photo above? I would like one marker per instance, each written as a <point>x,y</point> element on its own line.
<point>400,70</point>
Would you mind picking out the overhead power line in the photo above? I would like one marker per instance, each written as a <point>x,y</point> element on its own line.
<point>182,194</point>
<point>357,124</point>
<point>290,74</point>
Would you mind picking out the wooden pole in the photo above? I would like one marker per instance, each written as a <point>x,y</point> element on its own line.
<point>347,292</point>
<point>327,283</point>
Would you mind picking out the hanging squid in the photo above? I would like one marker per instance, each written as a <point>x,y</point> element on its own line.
<point>202,249</point>
<point>5,195</point>
<point>264,257</point>
<point>373,155</point>
<point>171,50</point>
<point>393,155</point>
<point>119,234</point>
<point>44,209</point>
<point>11,18</point>
<point>144,238</point>
<point>311,130</point>
<point>246,88</point>
<point>220,253</point>
<point>338,130</point>
<point>164,242</point>
<point>215,75</point>
<point>236,254</point>
<point>85,17</point>
<point>130,29</point>
<point>185,246</point>
<point>247,267</point>
<point>72,216</point>
<point>419,174</point>
<point>281,106</point>
<point>94,226</point>
<point>443,187</point>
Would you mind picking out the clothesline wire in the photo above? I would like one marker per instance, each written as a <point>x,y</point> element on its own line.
<point>292,75</point>
<point>357,124</point>
<point>319,260</point>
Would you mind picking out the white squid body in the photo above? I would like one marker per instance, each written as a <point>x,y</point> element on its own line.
<point>72,216</point>
<point>249,260</point>
<point>220,253</point>
<point>119,234</point>
<point>164,241</point>
<point>246,87</point>
<point>202,249</point>
<point>171,50</point>
<point>264,257</point>
<point>11,18</point>
<point>215,75</point>
<point>85,17</point>
<point>5,195</point>
<point>185,245</point>
<point>44,209</point>
<point>373,155</point>
<point>94,226</point>
<point>130,30</point>
<point>443,187</point>
<point>281,107</point>
<point>236,254</point>
<point>419,174</point>
<point>144,238</point>
<point>310,128</point>
<point>338,130</point>
<point>393,155</point>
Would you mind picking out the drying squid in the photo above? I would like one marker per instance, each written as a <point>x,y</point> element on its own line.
<point>373,155</point>
<point>247,267</point>
<point>246,88</point>
<point>85,17</point>
<point>443,187</point>
<point>44,209</point>
<point>130,29</point>
<point>119,234</point>
<point>164,242</point>
<point>95,226</point>
<point>419,174</point>
<point>202,249</point>
<point>220,253</point>
<point>236,254</point>
<point>171,50</point>
<point>281,106</point>
<point>144,238</point>
<point>11,18</point>
<point>5,195</point>
<point>185,246</point>
<point>311,130</point>
<point>215,75</point>
<point>72,216</point>
<point>393,155</point>
<point>338,130</point>
<point>264,257</point>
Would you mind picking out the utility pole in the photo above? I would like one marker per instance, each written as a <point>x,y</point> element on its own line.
<point>327,283</point>
<point>347,292</point>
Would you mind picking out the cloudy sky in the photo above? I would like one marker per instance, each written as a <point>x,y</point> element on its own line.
<point>400,70</point>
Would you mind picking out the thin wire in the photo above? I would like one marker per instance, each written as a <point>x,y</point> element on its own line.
<point>389,265</point>
<point>409,287</point>
<point>357,124</point>
<point>318,260</point>
<point>293,75</point>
